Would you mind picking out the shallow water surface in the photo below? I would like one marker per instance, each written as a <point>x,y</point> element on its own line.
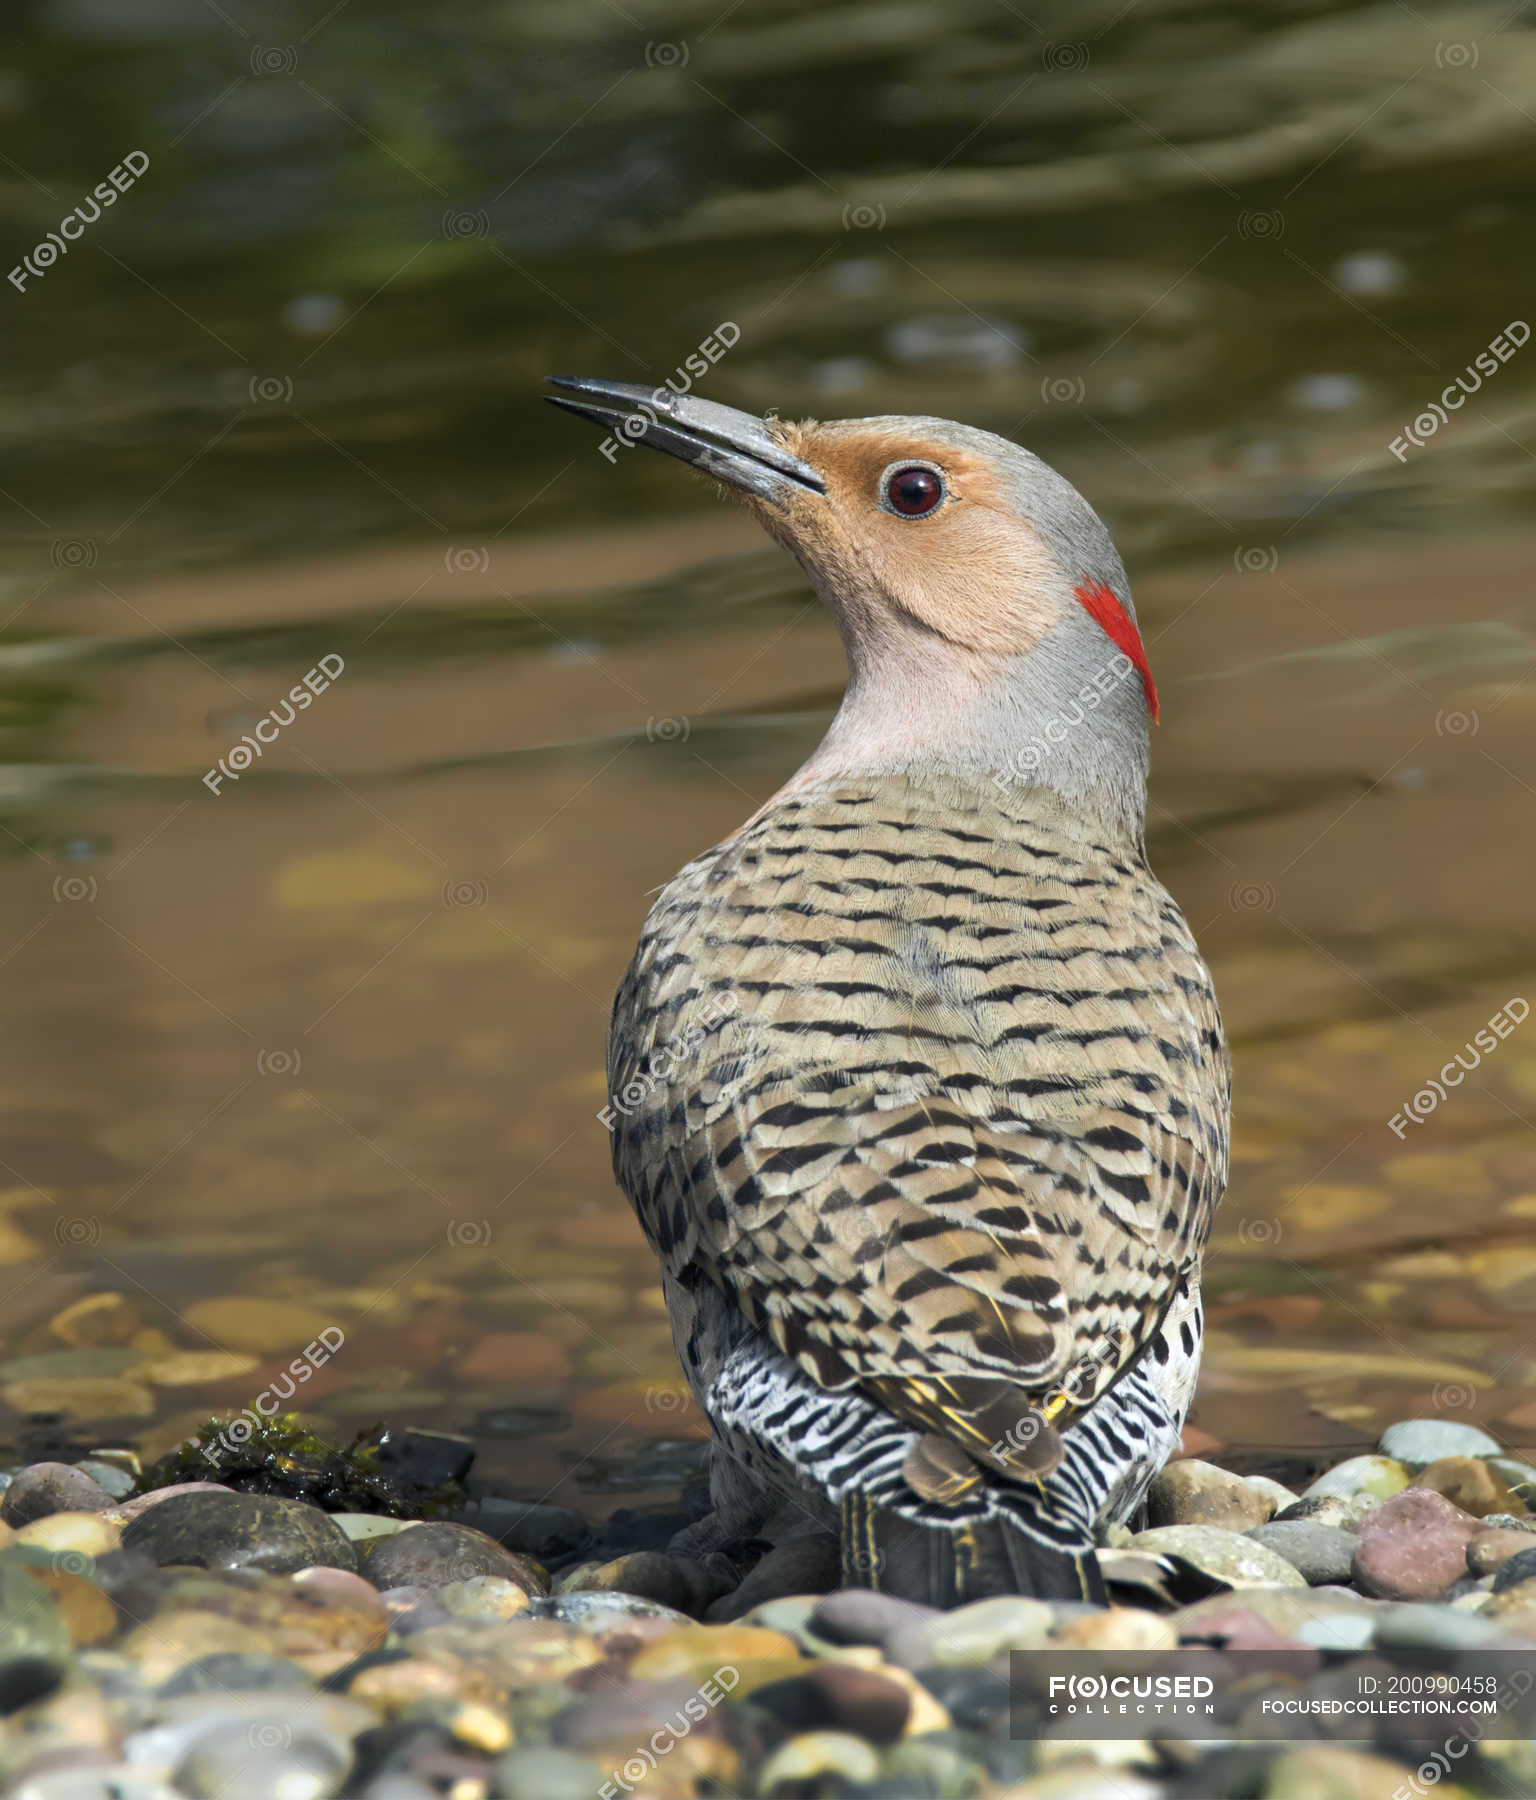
<point>322,1050</point>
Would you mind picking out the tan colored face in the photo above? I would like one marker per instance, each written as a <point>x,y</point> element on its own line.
<point>969,568</point>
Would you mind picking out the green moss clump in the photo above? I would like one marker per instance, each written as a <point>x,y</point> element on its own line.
<point>282,1457</point>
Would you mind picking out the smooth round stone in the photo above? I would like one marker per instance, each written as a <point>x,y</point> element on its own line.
<point>1467,1482</point>
<point>1343,1510</point>
<point>1337,1631</point>
<point>81,1534</point>
<point>546,1774</point>
<point>1227,1555</point>
<point>1490,1550</point>
<point>603,1611</point>
<point>818,1756</point>
<point>360,1527</point>
<point>224,1767</point>
<point>116,1481</point>
<point>1514,1570</point>
<point>974,1633</point>
<point>239,1531</point>
<point>1409,1627</point>
<point>1117,1628</point>
<point>1320,1553</point>
<point>236,1671</point>
<point>1378,1476</point>
<point>944,1763</point>
<point>869,1704</point>
<point>251,1323</point>
<point>51,1487</point>
<point>861,1616</point>
<point>484,1597</point>
<point>1276,1492</point>
<point>1191,1492</point>
<point>404,1681</point>
<point>435,1554</point>
<point>95,1781</point>
<point>973,1697</point>
<point>143,1503</point>
<point>1417,1442</point>
<point>1412,1547</point>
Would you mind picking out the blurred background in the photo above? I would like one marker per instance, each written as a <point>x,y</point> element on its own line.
<point>318,1043</point>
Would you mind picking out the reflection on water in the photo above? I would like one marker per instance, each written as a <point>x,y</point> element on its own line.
<point>324,1048</point>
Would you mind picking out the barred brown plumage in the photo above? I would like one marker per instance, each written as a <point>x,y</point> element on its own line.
<point>931,1186</point>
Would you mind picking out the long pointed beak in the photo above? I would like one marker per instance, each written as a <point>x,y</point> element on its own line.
<point>733,446</point>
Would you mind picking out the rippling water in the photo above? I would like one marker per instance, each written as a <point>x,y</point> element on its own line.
<point>324,1048</point>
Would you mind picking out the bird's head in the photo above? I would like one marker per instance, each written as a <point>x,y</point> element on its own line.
<point>985,612</point>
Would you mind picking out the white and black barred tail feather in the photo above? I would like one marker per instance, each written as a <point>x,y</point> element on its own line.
<point>921,1097</point>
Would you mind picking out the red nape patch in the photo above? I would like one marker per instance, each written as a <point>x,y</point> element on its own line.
<point>1106,611</point>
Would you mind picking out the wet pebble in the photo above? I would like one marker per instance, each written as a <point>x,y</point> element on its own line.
<point>1514,1570</point>
<point>435,1554</point>
<point>1191,1492</point>
<point>538,1773</point>
<point>239,1531</point>
<point>974,1633</point>
<point>1488,1551</point>
<point>234,1672</point>
<point>1378,1477</point>
<point>862,1616</point>
<point>1228,1555</point>
<point>1412,1547</point>
<point>1467,1482</point>
<point>1320,1553</point>
<point>51,1487</point>
<point>484,1597</point>
<point>1417,1442</point>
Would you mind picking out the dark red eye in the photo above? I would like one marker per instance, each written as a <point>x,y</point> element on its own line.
<point>915,491</point>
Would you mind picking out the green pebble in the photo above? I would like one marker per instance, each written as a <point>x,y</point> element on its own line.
<point>543,1774</point>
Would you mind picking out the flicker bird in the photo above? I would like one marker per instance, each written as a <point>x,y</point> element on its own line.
<point>919,1085</point>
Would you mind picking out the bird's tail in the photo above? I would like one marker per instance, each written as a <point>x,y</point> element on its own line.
<point>948,1565</point>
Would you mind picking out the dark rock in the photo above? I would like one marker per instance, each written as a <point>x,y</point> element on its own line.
<point>51,1487</point>
<point>973,1698</point>
<point>601,1610</point>
<point>835,1696</point>
<point>235,1672</point>
<point>239,1531</point>
<point>432,1555</point>
<point>537,1773</point>
<point>143,1503</point>
<point>862,1701</point>
<point>1322,1553</point>
<point>1515,1569</point>
<point>861,1616</point>
<point>423,1459</point>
